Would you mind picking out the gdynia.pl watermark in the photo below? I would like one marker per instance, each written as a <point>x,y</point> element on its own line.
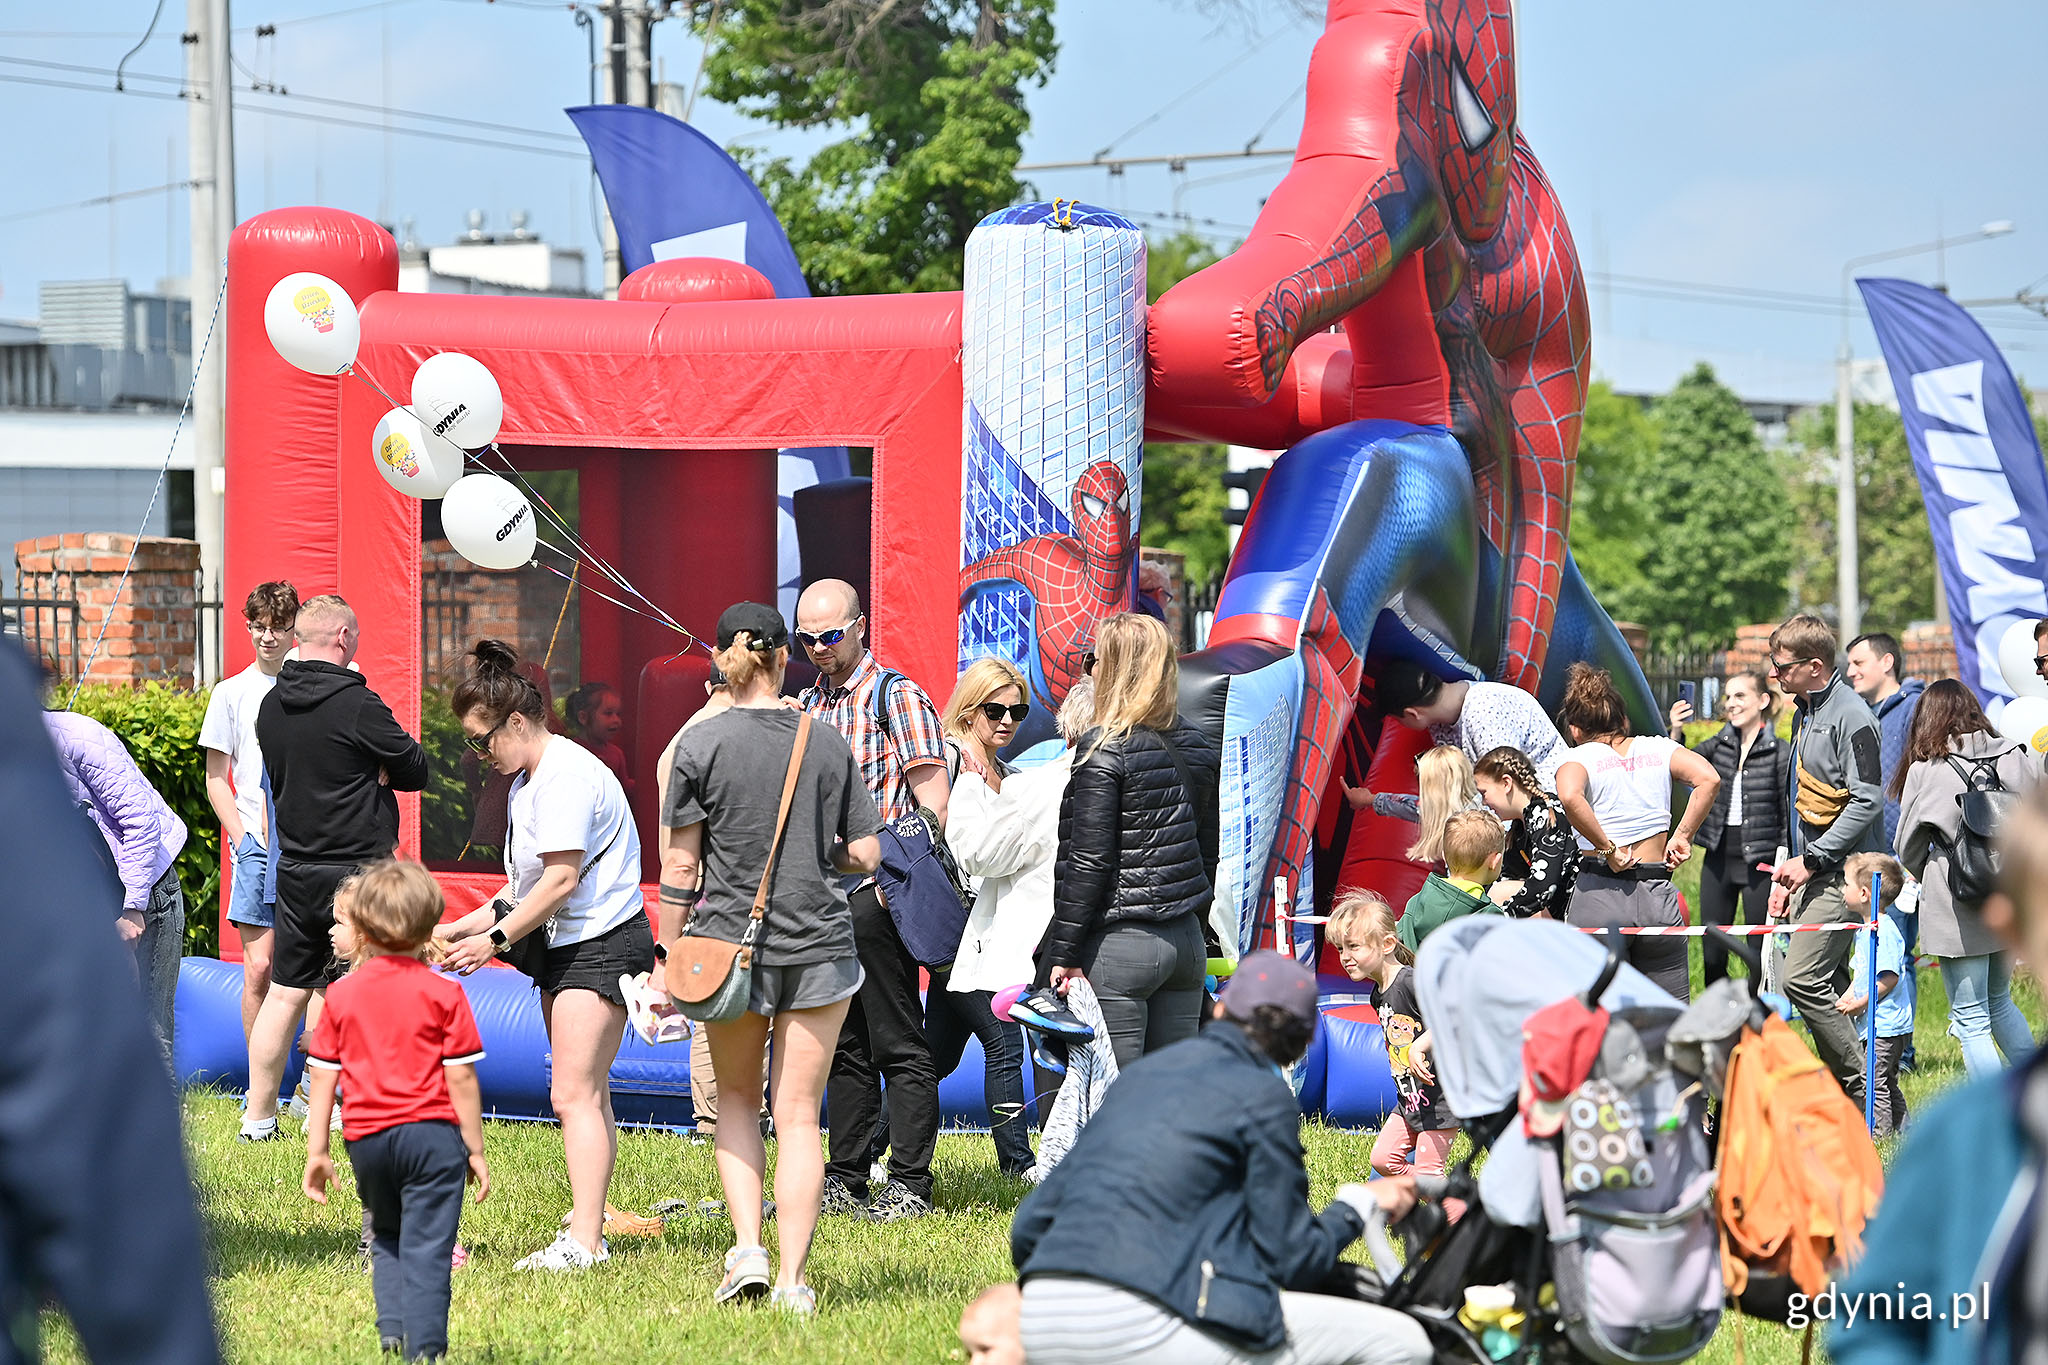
<point>1849,1309</point>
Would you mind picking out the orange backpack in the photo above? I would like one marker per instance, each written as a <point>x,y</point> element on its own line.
<point>1799,1174</point>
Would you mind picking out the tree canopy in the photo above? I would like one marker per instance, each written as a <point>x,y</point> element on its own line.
<point>930,96</point>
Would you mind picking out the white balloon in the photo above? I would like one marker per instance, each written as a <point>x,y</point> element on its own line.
<point>412,459</point>
<point>2016,661</point>
<point>488,521</point>
<point>313,324</point>
<point>2025,721</point>
<point>456,397</point>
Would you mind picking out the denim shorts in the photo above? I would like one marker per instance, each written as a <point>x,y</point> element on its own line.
<point>253,899</point>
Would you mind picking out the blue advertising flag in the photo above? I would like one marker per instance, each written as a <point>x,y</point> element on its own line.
<point>1980,469</point>
<point>673,192</point>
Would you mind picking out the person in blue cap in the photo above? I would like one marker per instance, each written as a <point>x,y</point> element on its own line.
<point>1178,1229</point>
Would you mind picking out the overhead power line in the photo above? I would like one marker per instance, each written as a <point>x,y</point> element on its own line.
<point>101,199</point>
<point>1115,164</point>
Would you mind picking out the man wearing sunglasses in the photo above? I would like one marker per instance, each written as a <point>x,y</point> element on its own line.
<point>2041,649</point>
<point>897,740</point>
<point>1836,763</point>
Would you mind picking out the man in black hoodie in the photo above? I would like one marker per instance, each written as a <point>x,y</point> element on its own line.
<point>336,758</point>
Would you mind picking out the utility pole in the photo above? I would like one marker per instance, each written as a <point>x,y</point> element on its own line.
<point>628,66</point>
<point>210,151</point>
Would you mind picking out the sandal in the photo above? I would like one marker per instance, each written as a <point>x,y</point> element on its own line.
<point>799,1299</point>
<point>746,1275</point>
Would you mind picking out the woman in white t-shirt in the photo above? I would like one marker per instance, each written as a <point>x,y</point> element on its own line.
<point>1616,791</point>
<point>572,863</point>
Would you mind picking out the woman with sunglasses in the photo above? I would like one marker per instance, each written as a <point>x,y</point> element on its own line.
<point>572,863</point>
<point>980,718</point>
<point>1137,847</point>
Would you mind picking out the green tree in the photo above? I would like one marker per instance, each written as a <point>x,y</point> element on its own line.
<point>1716,524</point>
<point>930,95</point>
<point>1184,497</point>
<point>1894,545</point>
<point>1617,443</point>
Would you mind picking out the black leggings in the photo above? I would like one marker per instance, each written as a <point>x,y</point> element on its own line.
<point>1732,891</point>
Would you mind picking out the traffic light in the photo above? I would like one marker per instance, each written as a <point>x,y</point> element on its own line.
<point>1249,481</point>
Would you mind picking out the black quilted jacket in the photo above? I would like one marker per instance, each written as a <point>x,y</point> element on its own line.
<point>1134,844</point>
<point>1766,786</point>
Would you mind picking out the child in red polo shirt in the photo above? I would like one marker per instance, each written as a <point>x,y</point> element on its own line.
<point>401,1040</point>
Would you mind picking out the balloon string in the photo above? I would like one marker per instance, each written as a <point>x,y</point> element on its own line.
<point>595,592</point>
<point>597,561</point>
<point>561,524</point>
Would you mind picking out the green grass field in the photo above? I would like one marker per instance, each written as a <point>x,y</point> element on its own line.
<point>288,1286</point>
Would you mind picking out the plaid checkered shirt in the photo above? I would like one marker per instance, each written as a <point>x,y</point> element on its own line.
<point>913,738</point>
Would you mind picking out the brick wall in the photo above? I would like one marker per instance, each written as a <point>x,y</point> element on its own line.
<point>1930,651</point>
<point>463,604</point>
<point>152,630</point>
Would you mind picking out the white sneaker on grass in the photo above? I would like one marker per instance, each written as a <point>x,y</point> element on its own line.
<point>564,1253</point>
<point>258,1130</point>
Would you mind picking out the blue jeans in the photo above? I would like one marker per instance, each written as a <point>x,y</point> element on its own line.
<point>411,1179</point>
<point>1981,1014</point>
<point>949,1017</point>
<point>159,953</point>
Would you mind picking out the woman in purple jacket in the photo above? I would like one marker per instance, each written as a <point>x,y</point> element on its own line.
<point>145,837</point>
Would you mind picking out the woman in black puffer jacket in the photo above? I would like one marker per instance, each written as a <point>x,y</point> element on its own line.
<point>1748,822</point>
<point>1137,853</point>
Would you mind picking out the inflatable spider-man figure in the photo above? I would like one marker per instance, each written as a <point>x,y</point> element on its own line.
<point>1415,216</point>
<point>1075,580</point>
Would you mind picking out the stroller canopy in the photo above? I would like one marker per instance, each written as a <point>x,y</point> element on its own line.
<point>1481,976</point>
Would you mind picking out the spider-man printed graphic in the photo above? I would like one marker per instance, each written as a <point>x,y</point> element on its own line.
<point>1074,580</point>
<point>1446,229</point>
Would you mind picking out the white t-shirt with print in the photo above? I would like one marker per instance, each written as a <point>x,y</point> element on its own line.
<point>1498,714</point>
<point>230,726</point>
<point>573,802</point>
<point>1630,793</point>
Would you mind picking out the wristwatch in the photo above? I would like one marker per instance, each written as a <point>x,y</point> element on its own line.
<point>499,943</point>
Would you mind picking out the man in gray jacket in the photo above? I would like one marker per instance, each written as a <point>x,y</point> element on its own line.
<point>1836,763</point>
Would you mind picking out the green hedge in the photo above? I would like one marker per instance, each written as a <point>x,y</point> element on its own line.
<point>160,726</point>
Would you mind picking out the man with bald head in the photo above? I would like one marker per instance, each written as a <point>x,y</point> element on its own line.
<point>896,737</point>
<point>336,757</point>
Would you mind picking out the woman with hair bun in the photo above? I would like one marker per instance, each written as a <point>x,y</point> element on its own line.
<point>719,830</point>
<point>1616,791</point>
<point>572,867</point>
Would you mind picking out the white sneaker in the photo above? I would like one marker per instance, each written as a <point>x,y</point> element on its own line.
<point>258,1130</point>
<point>564,1253</point>
<point>301,1102</point>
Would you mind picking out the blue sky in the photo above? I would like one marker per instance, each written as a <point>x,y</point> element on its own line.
<point>1745,144</point>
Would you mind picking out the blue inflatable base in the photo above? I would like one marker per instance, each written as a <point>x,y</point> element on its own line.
<point>1343,1079</point>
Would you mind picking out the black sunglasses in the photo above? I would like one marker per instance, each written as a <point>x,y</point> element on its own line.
<point>1088,663</point>
<point>2040,659</point>
<point>824,639</point>
<point>481,744</point>
<point>995,711</point>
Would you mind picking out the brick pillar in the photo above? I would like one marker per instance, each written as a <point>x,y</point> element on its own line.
<point>152,628</point>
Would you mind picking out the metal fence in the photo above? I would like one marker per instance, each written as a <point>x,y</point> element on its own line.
<point>47,628</point>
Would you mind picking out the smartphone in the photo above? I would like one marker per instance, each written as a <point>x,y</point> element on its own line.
<point>1689,693</point>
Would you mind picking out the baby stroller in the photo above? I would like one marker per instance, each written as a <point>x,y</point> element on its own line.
<point>1597,1243</point>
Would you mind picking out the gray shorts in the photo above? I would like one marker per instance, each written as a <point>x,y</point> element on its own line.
<point>803,985</point>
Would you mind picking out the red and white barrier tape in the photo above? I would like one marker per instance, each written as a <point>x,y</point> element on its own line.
<point>1659,931</point>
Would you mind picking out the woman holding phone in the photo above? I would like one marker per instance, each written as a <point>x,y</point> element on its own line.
<point>1749,819</point>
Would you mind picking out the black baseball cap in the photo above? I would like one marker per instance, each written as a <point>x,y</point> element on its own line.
<point>1270,978</point>
<point>763,623</point>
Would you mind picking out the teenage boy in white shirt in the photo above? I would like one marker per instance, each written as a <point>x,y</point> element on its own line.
<point>234,782</point>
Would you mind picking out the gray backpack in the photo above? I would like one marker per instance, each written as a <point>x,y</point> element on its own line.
<point>1628,1206</point>
<point>1973,853</point>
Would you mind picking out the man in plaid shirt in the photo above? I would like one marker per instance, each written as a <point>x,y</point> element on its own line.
<point>904,763</point>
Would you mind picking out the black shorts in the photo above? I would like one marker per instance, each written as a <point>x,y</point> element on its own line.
<point>302,955</point>
<point>596,964</point>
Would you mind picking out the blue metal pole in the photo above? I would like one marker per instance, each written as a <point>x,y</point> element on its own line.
<point>1870,1009</point>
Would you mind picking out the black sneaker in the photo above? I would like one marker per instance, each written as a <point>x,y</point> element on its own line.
<point>1044,1012</point>
<point>896,1203</point>
<point>1049,1051</point>
<point>840,1197</point>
